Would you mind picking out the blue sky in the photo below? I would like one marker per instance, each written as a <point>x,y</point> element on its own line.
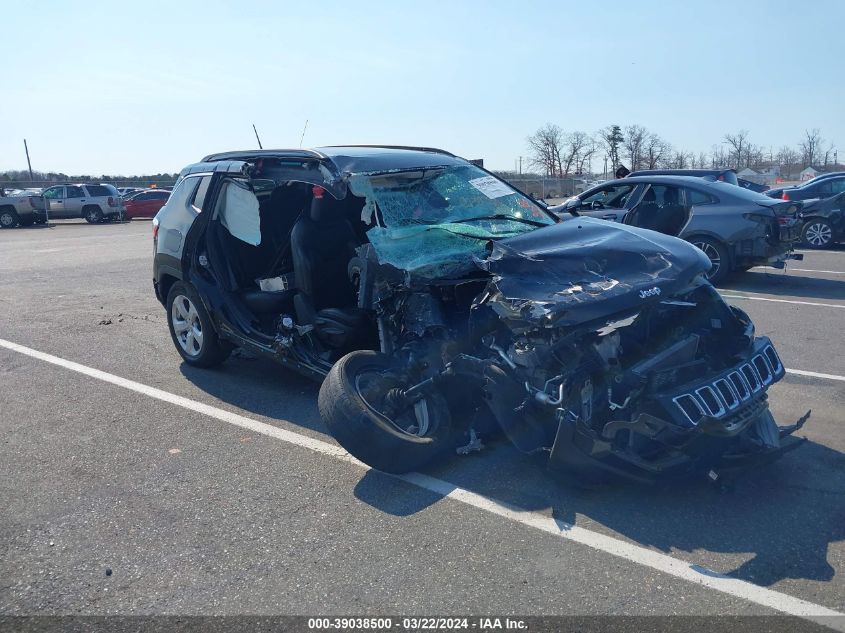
<point>124,89</point>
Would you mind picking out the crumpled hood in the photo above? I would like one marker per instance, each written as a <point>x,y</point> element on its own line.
<point>586,269</point>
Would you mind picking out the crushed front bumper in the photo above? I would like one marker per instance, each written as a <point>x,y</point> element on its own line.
<point>720,424</point>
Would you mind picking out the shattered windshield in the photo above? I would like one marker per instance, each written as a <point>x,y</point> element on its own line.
<point>449,195</point>
<point>435,221</point>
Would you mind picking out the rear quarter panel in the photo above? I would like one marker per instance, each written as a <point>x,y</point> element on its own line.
<point>724,221</point>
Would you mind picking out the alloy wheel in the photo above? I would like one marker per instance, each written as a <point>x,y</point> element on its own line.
<point>187,325</point>
<point>818,234</point>
<point>7,220</point>
<point>380,393</point>
<point>712,254</point>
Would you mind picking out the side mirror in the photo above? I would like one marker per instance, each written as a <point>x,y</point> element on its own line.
<point>572,205</point>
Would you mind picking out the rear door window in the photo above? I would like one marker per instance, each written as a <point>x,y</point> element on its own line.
<point>202,190</point>
<point>183,192</point>
<point>54,193</point>
<point>74,192</point>
<point>98,191</point>
<point>697,198</point>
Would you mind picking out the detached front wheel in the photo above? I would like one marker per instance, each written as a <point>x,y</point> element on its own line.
<point>361,403</point>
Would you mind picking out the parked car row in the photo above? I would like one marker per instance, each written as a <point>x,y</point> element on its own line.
<point>735,227</point>
<point>93,202</point>
<point>820,187</point>
<point>19,207</point>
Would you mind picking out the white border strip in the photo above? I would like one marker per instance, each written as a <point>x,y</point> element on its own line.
<point>815,374</point>
<point>803,303</point>
<point>802,270</point>
<point>695,574</point>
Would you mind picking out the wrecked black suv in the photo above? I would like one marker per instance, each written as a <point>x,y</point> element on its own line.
<point>439,305</point>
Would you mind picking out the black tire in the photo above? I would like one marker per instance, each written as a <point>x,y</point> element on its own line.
<point>717,253</point>
<point>374,439</point>
<point>26,222</point>
<point>817,233</point>
<point>92,215</point>
<point>8,218</point>
<point>210,351</point>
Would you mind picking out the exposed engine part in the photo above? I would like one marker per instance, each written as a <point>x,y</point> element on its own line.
<point>474,444</point>
<point>491,343</point>
<point>587,401</point>
<point>609,348</point>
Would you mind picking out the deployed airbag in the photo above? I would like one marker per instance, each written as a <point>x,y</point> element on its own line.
<point>239,213</point>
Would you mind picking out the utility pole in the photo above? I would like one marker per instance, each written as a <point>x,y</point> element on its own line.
<point>28,164</point>
<point>520,165</point>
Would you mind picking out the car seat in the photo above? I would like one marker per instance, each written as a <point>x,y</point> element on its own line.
<point>322,243</point>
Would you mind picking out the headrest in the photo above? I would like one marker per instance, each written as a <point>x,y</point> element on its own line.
<point>650,196</point>
<point>325,208</point>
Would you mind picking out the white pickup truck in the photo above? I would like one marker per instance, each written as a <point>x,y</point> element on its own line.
<point>20,208</point>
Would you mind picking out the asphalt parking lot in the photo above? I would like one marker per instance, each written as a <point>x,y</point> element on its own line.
<point>133,484</point>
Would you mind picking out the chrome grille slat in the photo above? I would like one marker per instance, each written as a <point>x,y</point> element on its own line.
<point>759,363</point>
<point>713,393</point>
<point>739,385</point>
<point>729,392</point>
<point>734,402</point>
<point>689,399</point>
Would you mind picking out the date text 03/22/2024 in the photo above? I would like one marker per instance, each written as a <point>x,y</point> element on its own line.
<point>417,624</point>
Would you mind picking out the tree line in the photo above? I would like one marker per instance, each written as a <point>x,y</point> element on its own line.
<point>558,153</point>
<point>21,178</point>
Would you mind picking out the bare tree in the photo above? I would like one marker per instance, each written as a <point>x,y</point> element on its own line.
<point>681,160</point>
<point>829,153</point>
<point>718,157</point>
<point>573,145</point>
<point>810,147</point>
<point>654,150</point>
<point>738,145</point>
<point>635,136</point>
<point>789,160</point>
<point>544,147</point>
<point>585,158</point>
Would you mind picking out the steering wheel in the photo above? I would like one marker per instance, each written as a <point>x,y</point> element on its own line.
<point>596,204</point>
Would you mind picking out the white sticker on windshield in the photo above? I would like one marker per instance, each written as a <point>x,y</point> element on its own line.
<point>491,187</point>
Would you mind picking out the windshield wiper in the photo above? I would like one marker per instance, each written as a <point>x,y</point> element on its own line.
<point>503,216</point>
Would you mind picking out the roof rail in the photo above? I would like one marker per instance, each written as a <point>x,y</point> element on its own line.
<point>408,147</point>
<point>239,154</point>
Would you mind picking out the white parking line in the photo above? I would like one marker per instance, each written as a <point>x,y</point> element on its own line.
<point>696,574</point>
<point>803,303</point>
<point>805,270</point>
<point>814,374</point>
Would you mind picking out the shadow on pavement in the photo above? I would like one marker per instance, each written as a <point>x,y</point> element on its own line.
<point>780,284</point>
<point>262,387</point>
<point>784,515</point>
